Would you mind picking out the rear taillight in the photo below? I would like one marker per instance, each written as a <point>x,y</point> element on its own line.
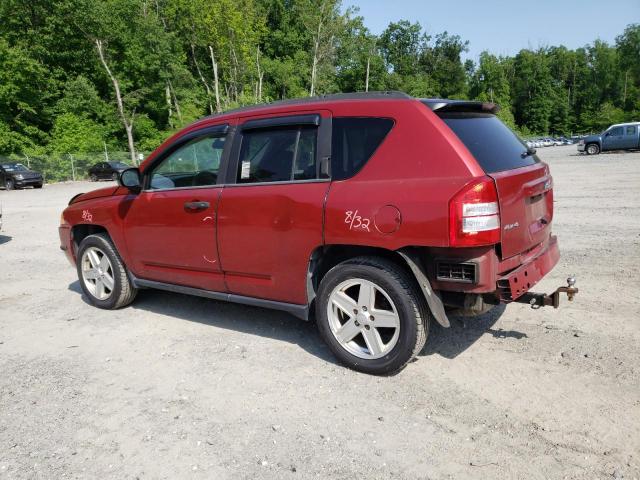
<point>474,216</point>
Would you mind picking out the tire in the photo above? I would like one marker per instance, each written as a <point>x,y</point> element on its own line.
<point>37,185</point>
<point>93,177</point>
<point>396,301</point>
<point>10,184</point>
<point>114,177</point>
<point>117,288</point>
<point>593,149</point>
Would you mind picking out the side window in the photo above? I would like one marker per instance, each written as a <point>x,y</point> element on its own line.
<point>631,130</point>
<point>614,132</point>
<point>353,142</point>
<point>194,164</point>
<point>278,155</point>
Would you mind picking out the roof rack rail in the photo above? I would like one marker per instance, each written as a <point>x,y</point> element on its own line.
<point>321,98</point>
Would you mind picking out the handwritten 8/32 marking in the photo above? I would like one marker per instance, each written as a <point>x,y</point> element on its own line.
<point>356,222</point>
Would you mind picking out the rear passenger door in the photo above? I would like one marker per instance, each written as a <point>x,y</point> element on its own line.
<point>630,138</point>
<point>271,209</point>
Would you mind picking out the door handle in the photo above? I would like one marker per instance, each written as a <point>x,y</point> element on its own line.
<point>195,206</point>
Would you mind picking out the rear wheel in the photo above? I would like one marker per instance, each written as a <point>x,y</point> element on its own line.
<point>102,274</point>
<point>593,149</point>
<point>93,177</point>
<point>371,315</point>
<point>114,177</point>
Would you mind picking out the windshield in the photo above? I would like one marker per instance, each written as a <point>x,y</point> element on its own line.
<point>118,165</point>
<point>491,142</point>
<point>14,167</point>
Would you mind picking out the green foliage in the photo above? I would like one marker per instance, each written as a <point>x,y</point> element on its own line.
<point>57,97</point>
<point>73,133</point>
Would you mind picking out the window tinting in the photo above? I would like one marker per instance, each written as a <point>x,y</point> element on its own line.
<point>194,164</point>
<point>278,155</point>
<point>631,130</point>
<point>614,132</point>
<point>353,141</point>
<point>491,142</point>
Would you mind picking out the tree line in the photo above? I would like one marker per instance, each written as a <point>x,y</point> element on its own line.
<point>81,75</point>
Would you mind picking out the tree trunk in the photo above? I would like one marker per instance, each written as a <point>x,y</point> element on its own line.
<point>316,52</point>
<point>366,80</point>
<point>216,83</point>
<point>314,67</point>
<point>204,82</point>
<point>260,77</point>
<point>127,122</point>
<point>167,96</point>
<point>175,101</point>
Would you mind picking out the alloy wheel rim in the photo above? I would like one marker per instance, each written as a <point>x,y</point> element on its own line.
<point>363,318</point>
<point>97,273</point>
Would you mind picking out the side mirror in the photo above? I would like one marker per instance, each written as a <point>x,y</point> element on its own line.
<point>130,178</point>
<point>607,134</point>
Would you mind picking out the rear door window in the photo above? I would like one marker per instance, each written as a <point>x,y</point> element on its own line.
<point>278,155</point>
<point>631,130</point>
<point>491,142</point>
<point>353,142</point>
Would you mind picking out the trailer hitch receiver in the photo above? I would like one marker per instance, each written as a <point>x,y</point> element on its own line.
<point>537,300</point>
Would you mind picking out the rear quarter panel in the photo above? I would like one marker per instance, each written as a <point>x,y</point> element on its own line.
<point>416,170</point>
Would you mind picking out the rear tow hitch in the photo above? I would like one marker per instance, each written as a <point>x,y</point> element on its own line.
<point>537,300</point>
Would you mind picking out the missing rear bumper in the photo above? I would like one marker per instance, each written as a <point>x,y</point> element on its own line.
<point>537,300</point>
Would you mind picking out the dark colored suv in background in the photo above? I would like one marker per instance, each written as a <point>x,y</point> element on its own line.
<point>379,212</point>
<point>106,171</point>
<point>16,175</point>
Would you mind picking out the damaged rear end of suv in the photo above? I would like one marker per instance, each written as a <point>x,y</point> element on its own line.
<point>502,220</point>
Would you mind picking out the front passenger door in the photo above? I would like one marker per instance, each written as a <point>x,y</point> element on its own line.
<point>613,139</point>
<point>170,227</point>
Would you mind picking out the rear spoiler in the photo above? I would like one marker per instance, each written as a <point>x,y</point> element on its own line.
<point>445,105</point>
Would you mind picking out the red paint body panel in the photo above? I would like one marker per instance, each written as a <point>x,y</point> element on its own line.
<point>526,203</point>
<point>266,236</point>
<point>525,277</point>
<point>168,243</point>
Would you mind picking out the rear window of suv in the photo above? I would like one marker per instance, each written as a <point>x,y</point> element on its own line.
<point>491,142</point>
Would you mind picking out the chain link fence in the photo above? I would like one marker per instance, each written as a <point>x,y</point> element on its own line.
<point>67,166</point>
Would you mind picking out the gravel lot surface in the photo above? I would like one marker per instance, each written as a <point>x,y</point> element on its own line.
<point>181,387</point>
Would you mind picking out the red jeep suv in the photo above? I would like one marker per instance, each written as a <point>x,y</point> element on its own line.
<point>379,212</point>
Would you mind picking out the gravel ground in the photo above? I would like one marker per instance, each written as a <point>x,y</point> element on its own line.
<point>182,387</point>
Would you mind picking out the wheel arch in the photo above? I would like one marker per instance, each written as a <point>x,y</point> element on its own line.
<point>325,257</point>
<point>81,231</point>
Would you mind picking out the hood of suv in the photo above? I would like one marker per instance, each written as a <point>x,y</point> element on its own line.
<point>99,193</point>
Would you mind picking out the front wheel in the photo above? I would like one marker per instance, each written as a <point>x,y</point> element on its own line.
<point>593,149</point>
<point>371,314</point>
<point>9,184</point>
<point>93,177</point>
<point>102,274</point>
